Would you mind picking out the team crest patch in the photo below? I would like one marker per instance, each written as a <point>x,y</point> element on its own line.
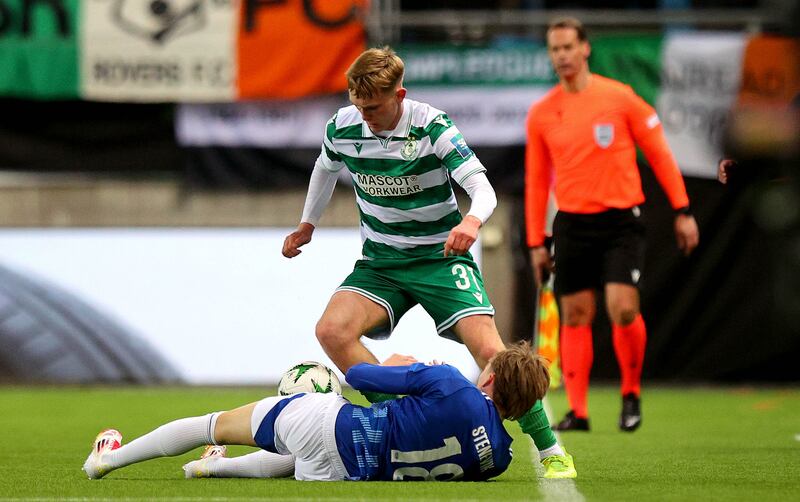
<point>604,135</point>
<point>409,150</point>
<point>460,143</point>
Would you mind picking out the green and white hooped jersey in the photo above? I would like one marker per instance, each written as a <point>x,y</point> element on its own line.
<point>402,182</point>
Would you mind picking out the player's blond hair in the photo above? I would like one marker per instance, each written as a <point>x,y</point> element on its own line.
<point>375,72</point>
<point>520,379</point>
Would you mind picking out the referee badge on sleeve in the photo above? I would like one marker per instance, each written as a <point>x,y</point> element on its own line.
<point>604,135</point>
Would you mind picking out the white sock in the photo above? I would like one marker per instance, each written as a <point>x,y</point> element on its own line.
<point>170,439</point>
<point>553,450</point>
<point>259,464</point>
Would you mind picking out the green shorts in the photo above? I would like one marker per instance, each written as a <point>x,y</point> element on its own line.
<point>448,288</point>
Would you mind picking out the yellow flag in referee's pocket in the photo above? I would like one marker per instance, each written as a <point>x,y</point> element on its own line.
<point>547,333</point>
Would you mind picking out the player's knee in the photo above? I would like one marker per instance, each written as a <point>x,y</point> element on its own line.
<point>222,428</point>
<point>625,316</point>
<point>577,317</point>
<point>577,312</point>
<point>332,334</point>
<point>232,427</point>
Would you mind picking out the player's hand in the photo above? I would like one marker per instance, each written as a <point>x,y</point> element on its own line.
<point>399,360</point>
<point>462,236</point>
<point>724,169</point>
<point>542,264</point>
<point>687,233</point>
<point>296,239</point>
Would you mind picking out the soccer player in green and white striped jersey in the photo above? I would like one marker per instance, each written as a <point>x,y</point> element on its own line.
<point>402,156</point>
<point>402,180</point>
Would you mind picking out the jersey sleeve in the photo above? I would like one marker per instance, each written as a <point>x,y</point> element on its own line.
<point>451,148</point>
<point>329,158</point>
<point>320,190</point>
<point>538,178</point>
<point>480,191</point>
<point>415,380</point>
<point>649,135</point>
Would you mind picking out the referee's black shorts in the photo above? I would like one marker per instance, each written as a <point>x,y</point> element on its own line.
<point>592,250</point>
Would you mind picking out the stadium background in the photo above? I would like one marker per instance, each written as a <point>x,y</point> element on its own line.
<point>201,119</point>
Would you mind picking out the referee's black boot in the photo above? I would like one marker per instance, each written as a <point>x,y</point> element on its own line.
<point>572,423</point>
<point>631,417</point>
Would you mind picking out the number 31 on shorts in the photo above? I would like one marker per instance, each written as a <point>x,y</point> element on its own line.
<point>463,272</point>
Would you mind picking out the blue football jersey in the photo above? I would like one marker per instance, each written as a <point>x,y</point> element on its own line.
<point>444,429</point>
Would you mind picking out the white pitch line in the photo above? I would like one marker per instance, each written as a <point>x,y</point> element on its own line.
<point>560,490</point>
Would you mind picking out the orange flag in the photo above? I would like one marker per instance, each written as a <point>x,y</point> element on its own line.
<point>547,333</point>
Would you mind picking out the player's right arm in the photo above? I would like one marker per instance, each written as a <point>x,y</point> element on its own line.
<point>416,379</point>
<point>537,189</point>
<point>320,190</point>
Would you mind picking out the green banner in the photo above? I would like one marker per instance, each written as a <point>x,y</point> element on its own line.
<point>513,64</point>
<point>38,49</point>
<point>632,59</point>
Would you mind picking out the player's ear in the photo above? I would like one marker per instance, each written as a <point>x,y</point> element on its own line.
<point>400,93</point>
<point>587,49</point>
<point>489,381</point>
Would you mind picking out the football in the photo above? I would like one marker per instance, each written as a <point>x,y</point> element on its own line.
<point>309,376</point>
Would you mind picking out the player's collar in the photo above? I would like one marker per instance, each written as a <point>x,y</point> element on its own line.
<point>401,130</point>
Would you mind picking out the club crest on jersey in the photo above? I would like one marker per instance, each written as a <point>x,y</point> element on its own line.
<point>409,150</point>
<point>604,135</point>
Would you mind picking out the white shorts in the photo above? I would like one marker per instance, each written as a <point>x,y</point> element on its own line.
<point>303,426</point>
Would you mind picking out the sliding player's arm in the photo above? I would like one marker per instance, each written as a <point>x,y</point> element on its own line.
<point>416,379</point>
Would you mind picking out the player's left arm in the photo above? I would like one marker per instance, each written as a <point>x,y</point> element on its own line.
<point>484,200</point>
<point>465,169</point>
<point>649,135</point>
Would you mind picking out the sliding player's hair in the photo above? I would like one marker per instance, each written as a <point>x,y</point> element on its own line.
<point>520,379</point>
<point>374,73</point>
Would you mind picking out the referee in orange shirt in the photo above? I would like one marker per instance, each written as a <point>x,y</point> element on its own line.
<point>581,142</point>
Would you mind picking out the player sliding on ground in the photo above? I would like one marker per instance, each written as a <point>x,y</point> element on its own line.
<point>446,428</point>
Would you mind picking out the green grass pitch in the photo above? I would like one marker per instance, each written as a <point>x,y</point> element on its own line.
<point>695,444</point>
